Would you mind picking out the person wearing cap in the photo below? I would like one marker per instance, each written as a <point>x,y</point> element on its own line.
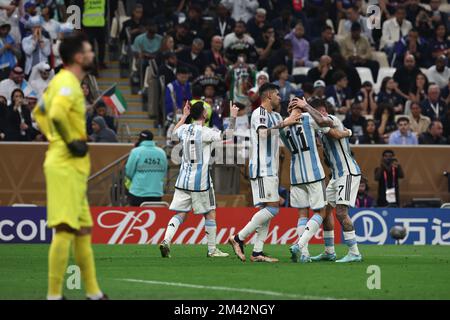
<point>319,89</point>
<point>146,171</point>
<point>357,50</point>
<point>403,135</point>
<point>40,77</point>
<point>439,73</point>
<point>253,94</point>
<point>63,30</point>
<point>9,51</point>
<point>37,48</point>
<point>16,80</point>
<point>29,8</point>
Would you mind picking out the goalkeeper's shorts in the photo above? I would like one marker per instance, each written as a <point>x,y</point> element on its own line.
<point>67,198</point>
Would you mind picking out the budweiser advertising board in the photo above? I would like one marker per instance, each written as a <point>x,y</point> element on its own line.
<point>130,225</point>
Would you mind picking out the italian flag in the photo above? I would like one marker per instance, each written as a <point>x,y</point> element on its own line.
<point>113,98</point>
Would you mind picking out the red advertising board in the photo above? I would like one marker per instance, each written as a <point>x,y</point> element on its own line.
<point>131,225</point>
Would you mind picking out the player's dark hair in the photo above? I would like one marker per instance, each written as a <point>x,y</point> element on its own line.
<point>70,46</point>
<point>317,103</point>
<point>197,110</point>
<point>266,87</point>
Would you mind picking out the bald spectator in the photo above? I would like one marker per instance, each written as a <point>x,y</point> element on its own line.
<point>393,30</point>
<point>405,76</point>
<point>322,72</point>
<point>241,10</point>
<point>434,135</point>
<point>439,73</point>
<point>434,106</point>
<point>255,26</point>
<point>418,122</point>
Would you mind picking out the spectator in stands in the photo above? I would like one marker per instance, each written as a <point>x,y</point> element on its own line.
<point>367,98</point>
<point>167,45</point>
<point>28,13</point>
<point>94,25</point>
<point>322,72</point>
<point>403,135</point>
<point>439,73</point>
<point>223,23</point>
<point>319,87</point>
<point>18,126</point>
<point>146,171</point>
<point>194,20</point>
<point>339,63</point>
<point>418,16</point>
<point>418,122</point>
<point>326,45</point>
<point>406,75</point>
<point>169,68</point>
<point>16,80</point>
<point>239,42</point>
<point>385,120</point>
<point>339,95</point>
<point>300,46</point>
<point>388,175</point>
<point>353,16</point>
<point>437,17</point>
<point>393,30</point>
<point>37,48</point>
<point>88,97</point>
<point>101,132</point>
<point>266,45</point>
<point>419,89</point>
<point>413,44</point>
<point>355,121</point>
<point>286,88</point>
<point>241,10</point>
<point>357,50</point>
<point>100,110</point>
<point>64,29</point>
<point>214,57</point>
<point>364,200</point>
<point>182,36</point>
<point>9,50</point>
<point>3,117</point>
<point>40,77</point>
<point>256,24</point>
<point>439,45</point>
<point>434,106</point>
<point>178,92</point>
<point>11,15</point>
<point>284,23</point>
<point>281,56</point>
<point>253,94</point>
<point>146,45</point>
<point>49,24</point>
<point>434,134</point>
<point>390,93</point>
<point>239,81</point>
<point>370,135</point>
<point>193,57</point>
<point>135,25</point>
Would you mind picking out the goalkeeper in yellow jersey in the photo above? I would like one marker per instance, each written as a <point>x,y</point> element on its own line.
<point>60,115</point>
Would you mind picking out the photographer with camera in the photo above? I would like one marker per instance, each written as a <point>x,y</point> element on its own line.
<point>388,175</point>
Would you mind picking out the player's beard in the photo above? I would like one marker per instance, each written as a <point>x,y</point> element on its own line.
<point>88,68</point>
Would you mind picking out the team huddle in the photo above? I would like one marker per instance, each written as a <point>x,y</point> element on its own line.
<point>298,132</point>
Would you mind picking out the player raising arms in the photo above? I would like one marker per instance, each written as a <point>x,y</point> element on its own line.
<point>193,188</point>
<point>61,116</point>
<point>306,172</point>
<point>263,165</point>
<point>342,189</point>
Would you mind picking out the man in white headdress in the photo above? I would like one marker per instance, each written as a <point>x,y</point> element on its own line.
<point>40,77</point>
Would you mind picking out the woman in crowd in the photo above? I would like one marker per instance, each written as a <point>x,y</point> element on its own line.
<point>370,134</point>
<point>385,120</point>
<point>19,125</point>
<point>419,89</point>
<point>389,93</point>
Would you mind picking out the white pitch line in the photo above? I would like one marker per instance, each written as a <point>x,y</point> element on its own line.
<point>261,292</point>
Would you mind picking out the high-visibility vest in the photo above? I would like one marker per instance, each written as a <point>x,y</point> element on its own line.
<point>94,13</point>
<point>207,107</point>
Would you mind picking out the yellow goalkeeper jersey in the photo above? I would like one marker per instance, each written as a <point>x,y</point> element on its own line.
<point>63,102</point>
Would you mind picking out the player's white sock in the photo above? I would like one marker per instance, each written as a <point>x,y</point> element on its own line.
<point>350,241</point>
<point>172,228</point>
<point>328,237</point>
<point>262,232</point>
<point>258,219</point>
<point>301,225</point>
<point>312,227</point>
<point>210,230</point>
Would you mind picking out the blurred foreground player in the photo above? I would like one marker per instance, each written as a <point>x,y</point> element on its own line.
<point>60,115</point>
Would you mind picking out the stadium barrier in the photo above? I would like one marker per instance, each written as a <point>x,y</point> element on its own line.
<point>133,225</point>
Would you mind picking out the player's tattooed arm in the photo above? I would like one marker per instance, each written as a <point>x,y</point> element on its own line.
<point>289,121</point>
<point>316,115</point>
<point>339,134</point>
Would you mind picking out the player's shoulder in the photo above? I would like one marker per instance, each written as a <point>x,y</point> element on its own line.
<point>65,84</point>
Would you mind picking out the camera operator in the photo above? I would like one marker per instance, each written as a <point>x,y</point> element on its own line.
<point>388,175</point>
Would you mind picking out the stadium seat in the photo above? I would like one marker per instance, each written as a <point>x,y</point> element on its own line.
<point>446,206</point>
<point>300,71</point>
<point>158,204</point>
<point>382,73</point>
<point>381,57</point>
<point>365,74</point>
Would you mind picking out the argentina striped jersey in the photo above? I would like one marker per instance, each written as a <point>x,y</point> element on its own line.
<point>196,148</point>
<point>300,140</point>
<point>338,153</point>
<point>264,151</point>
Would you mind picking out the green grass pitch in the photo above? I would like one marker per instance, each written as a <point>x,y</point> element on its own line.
<point>407,272</point>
